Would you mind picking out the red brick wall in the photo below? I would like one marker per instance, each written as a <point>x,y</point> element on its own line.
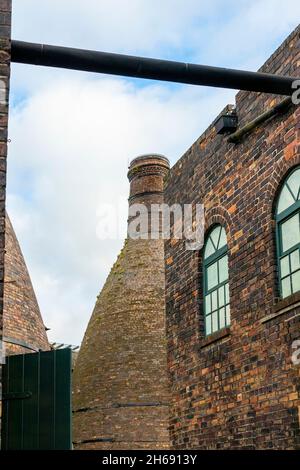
<point>5,32</point>
<point>239,389</point>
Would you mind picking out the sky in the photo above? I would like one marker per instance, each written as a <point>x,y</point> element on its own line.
<point>73,134</point>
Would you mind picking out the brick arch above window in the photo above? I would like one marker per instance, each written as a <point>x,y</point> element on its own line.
<point>218,215</point>
<point>279,174</point>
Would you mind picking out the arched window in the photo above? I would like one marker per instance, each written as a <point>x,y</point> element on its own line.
<point>216,287</point>
<point>288,234</point>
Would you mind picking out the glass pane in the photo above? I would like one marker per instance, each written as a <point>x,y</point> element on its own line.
<point>294,183</point>
<point>295,261</point>
<point>212,276</point>
<point>290,232</point>
<point>222,317</point>
<point>285,200</point>
<point>284,266</point>
<point>214,300</point>
<point>223,269</point>
<point>228,315</point>
<point>215,235</point>
<point>227,293</point>
<point>209,249</point>
<point>207,304</point>
<point>296,281</point>
<point>223,239</point>
<point>215,322</point>
<point>286,287</point>
<point>208,325</point>
<point>221,294</point>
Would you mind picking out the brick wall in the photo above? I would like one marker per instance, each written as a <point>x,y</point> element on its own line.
<point>5,32</point>
<point>238,389</point>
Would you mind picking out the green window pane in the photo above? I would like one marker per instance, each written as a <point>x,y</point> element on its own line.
<point>290,232</point>
<point>214,300</point>
<point>221,294</point>
<point>223,269</point>
<point>228,315</point>
<point>223,239</point>
<point>294,183</point>
<point>208,325</point>
<point>296,281</point>
<point>207,304</point>
<point>222,317</point>
<point>289,235</point>
<point>209,248</point>
<point>286,287</point>
<point>227,293</point>
<point>295,260</point>
<point>212,276</point>
<point>215,235</point>
<point>285,200</point>
<point>215,322</point>
<point>284,266</point>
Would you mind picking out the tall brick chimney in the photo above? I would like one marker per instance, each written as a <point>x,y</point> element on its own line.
<point>146,175</point>
<point>121,395</point>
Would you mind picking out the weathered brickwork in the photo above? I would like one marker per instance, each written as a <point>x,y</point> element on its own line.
<point>5,34</point>
<point>237,389</point>
<point>23,327</point>
<point>120,392</point>
<point>5,31</point>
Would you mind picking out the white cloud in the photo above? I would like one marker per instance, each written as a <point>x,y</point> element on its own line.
<point>253,32</point>
<point>73,134</point>
<point>109,24</point>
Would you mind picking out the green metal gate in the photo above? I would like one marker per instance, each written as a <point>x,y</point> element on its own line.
<point>37,401</point>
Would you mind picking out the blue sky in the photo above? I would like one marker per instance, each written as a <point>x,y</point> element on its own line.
<point>73,134</point>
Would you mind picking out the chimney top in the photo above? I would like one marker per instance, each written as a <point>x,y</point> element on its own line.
<point>145,160</point>
<point>146,175</point>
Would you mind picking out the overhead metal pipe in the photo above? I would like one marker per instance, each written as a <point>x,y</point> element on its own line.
<point>154,69</point>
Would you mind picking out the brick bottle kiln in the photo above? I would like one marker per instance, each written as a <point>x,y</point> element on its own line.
<point>120,379</point>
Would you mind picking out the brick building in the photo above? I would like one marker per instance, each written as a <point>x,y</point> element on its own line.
<point>233,308</point>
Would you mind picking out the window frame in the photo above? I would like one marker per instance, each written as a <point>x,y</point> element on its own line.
<point>280,219</point>
<point>207,262</point>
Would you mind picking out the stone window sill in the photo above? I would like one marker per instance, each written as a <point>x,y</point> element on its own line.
<point>287,302</point>
<point>282,306</point>
<point>215,337</point>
